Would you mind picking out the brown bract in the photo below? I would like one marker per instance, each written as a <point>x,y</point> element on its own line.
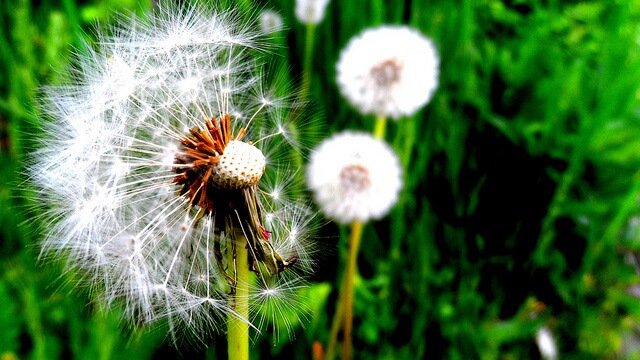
<point>200,151</point>
<point>218,173</point>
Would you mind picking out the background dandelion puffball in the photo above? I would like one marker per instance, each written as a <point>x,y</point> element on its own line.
<point>354,177</point>
<point>270,21</point>
<point>107,169</point>
<point>388,71</point>
<point>310,11</point>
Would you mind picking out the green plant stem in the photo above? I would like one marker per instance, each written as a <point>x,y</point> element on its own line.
<point>335,325</point>
<point>346,290</point>
<point>349,278</point>
<point>380,127</point>
<point>307,61</point>
<point>237,323</point>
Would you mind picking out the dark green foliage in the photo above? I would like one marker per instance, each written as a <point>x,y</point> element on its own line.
<point>521,190</point>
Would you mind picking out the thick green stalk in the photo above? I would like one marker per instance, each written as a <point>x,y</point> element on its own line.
<point>237,324</point>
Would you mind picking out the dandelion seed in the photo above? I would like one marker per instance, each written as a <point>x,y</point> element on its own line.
<point>389,71</point>
<point>153,180</point>
<point>310,11</point>
<point>354,177</point>
<point>546,343</point>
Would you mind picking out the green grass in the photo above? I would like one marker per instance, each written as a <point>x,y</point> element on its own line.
<point>522,183</point>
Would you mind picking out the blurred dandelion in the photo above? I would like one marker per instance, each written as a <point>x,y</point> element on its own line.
<point>354,178</point>
<point>310,11</point>
<point>270,21</point>
<point>152,170</point>
<point>392,83</point>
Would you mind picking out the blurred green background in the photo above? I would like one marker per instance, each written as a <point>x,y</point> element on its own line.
<point>521,201</point>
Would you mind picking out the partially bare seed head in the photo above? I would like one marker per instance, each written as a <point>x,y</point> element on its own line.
<point>214,160</point>
<point>240,166</point>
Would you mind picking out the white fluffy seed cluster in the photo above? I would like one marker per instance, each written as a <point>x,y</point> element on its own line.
<point>241,165</point>
<point>270,22</point>
<point>311,11</point>
<point>354,177</point>
<point>106,168</point>
<point>388,71</point>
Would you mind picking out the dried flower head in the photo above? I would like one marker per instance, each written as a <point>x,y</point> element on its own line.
<point>388,71</point>
<point>354,177</point>
<point>270,21</point>
<point>311,11</point>
<point>153,167</point>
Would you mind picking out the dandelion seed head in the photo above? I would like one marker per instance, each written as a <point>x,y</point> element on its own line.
<point>354,177</point>
<point>153,163</point>
<point>395,82</point>
<point>270,22</point>
<point>310,11</point>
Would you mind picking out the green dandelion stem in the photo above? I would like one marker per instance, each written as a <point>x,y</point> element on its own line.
<point>306,65</point>
<point>349,278</point>
<point>345,297</point>
<point>237,323</point>
<point>335,326</point>
<point>380,127</point>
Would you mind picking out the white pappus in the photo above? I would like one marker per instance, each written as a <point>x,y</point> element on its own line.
<point>354,177</point>
<point>388,71</point>
<point>152,164</point>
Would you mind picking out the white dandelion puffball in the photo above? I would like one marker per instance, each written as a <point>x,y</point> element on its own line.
<point>270,21</point>
<point>311,11</point>
<point>152,171</point>
<point>388,71</point>
<point>354,177</point>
